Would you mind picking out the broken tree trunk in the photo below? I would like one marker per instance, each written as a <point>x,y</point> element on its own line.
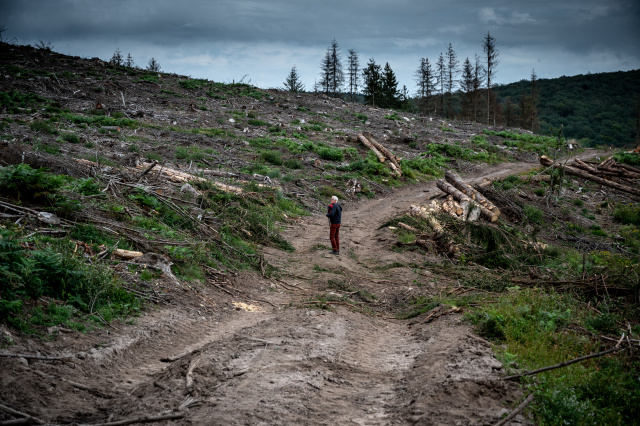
<point>547,162</point>
<point>528,179</point>
<point>468,190</point>
<point>392,158</point>
<point>368,144</point>
<point>463,198</point>
<point>444,240</point>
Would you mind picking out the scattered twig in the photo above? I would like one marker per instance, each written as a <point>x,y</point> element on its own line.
<point>66,358</point>
<point>75,385</point>
<point>564,363</point>
<point>145,419</point>
<point>515,412</point>
<point>20,414</point>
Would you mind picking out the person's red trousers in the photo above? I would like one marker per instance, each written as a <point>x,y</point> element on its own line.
<point>334,236</point>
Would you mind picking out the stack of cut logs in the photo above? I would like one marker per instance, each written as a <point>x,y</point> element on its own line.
<point>469,203</point>
<point>382,153</point>
<point>609,173</point>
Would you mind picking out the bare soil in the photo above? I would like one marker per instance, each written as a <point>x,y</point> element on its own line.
<point>284,362</point>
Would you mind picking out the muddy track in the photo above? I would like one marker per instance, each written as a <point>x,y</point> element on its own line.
<point>288,364</point>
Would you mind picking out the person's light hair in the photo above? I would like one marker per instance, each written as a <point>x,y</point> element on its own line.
<point>334,198</point>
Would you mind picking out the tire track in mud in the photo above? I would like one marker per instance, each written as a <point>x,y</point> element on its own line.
<point>301,365</point>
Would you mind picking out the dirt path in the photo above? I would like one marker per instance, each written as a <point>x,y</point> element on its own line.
<point>286,365</point>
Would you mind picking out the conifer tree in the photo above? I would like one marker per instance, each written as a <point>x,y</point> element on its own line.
<point>292,83</point>
<point>116,59</point>
<point>389,88</point>
<point>332,74</point>
<point>491,52</point>
<point>478,77</point>
<point>354,74</point>
<point>467,87</point>
<point>372,82</point>
<point>153,65</point>
<point>452,73</point>
<point>426,85</point>
<point>129,61</point>
<point>440,76</point>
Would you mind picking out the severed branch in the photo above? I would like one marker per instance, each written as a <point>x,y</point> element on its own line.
<point>194,363</point>
<point>75,385</point>
<point>145,419</point>
<point>67,358</point>
<point>20,414</point>
<point>564,363</point>
<point>515,412</point>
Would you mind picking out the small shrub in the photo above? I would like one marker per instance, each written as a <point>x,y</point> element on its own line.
<point>331,154</point>
<point>71,138</point>
<point>627,214</point>
<point>43,126</point>
<point>293,163</point>
<point>272,156</point>
<point>539,192</point>
<point>255,122</point>
<point>578,202</point>
<point>534,214</point>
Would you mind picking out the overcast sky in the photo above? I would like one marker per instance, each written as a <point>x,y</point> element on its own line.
<point>226,40</point>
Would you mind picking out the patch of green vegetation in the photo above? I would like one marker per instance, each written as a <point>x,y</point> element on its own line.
<point>541,145</point>
<point>70,137</point>
<point>419,306</point>
<point>361,117</point>
<point>193,84</point>
<point>256,122</point>
<point>100,120</point>
<point>272,156</point>
<point>539,192</point>
<point>331,154</point>
<point>312,127</point>
<point>533,214</point>
<point>327,191</point>
<point>632,159</point>
<point>148,78</point>
<point>255,219</point>
<point>457,151</point>
<point>529,324</point>
<point>426,164</point>
<point>627,214</point>
<point>43,126</point>
<point>392,116</point>
<point>76,289</point>
<point>293,163</point>
<point>192,153</point>
<point>15,102</point>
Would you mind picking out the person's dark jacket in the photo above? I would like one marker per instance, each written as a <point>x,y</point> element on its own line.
<point>335,213</point>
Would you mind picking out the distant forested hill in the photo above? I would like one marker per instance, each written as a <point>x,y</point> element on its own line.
<point>594,108</point>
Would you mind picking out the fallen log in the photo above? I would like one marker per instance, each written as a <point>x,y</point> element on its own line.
<point>547,162</point>
<point>468,190</point>
<point>463,198</point>
<point>189,378</point>
<point>127,254</point>
<point>515,412</point>
<point>373,149</point>
<point>444,240</point>
<point>408,228</point>
<point>392,158</point>
<point>91,390</point>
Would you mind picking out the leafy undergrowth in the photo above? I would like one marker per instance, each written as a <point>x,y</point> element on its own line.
<point>53,276</point>
<point>542,302</point>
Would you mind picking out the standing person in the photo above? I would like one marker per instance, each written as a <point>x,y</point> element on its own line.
<point>335,217</point>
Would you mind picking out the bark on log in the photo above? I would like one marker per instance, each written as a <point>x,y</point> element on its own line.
<point>127,254</point>
<point>409,228</point>
<point>392,158</point>
<point>368,144</point>
<point>468,190</point>
<point>547,162</point>
<point>462,198</point>
<point>584,166</point>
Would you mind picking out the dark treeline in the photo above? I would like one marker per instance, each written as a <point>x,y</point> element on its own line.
<point>595,109</point>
